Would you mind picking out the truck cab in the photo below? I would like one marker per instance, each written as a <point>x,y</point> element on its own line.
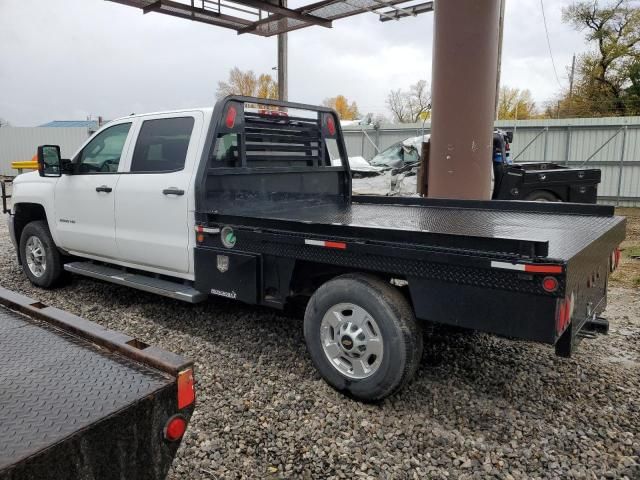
<point>136,169</point>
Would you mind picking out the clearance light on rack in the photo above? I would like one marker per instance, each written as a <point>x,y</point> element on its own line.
<point>230,119</point>
<point>331,125</point>
<point>326,244</point>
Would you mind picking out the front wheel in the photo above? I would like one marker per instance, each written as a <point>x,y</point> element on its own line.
<point>40,257</point>
<point>362,336</point>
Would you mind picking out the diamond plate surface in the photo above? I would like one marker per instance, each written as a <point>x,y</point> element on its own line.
<point>567,234</point>
<point>53,384</point>
<point>489,278</point>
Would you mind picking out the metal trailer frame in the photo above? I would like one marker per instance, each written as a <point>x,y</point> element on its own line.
<point>93,405</point>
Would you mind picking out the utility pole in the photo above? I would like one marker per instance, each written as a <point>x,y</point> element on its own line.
<point>500,36</point>
<point>283,63</point>
<point>573,71</point>
<point>465,56</point>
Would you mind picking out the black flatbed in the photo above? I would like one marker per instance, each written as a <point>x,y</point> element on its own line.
<point>565,229</point>
<point>70,384</point>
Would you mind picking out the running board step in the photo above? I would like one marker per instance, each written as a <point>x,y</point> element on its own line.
<point>166,288</point>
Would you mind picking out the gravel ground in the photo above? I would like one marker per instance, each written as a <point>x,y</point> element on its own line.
<point>479,407</point>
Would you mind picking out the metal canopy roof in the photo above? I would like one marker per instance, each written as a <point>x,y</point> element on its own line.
<point>267,17</point>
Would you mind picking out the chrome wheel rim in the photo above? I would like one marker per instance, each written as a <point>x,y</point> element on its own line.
<point>35,256</point>
<point>351,340</point>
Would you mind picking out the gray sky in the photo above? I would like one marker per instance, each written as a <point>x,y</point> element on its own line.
<point>66,59</point>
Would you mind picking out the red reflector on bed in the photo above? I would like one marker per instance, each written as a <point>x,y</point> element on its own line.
<point>543,268</point>
<point>186,389</point>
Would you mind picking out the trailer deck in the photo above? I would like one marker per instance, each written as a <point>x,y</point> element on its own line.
<point>77,398</point>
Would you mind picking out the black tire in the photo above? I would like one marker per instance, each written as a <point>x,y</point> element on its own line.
<point>53,270</point>
<point>399,330</point>
<point>542,196</point>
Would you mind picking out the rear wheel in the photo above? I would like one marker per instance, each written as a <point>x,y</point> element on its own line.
<point>362,336</point>
<point>41,260</point>
<point>542,196</point>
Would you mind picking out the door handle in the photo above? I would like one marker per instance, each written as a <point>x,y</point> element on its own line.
<point>104,188</point>
<point>173,191</point>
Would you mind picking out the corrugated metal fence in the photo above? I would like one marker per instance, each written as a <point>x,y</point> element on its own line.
<point>610,144</point>
<point>21,143</point>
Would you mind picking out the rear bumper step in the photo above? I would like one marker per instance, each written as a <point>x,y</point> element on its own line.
<point>119,276</point>
<point>590,329</point>
<point>594,326</point>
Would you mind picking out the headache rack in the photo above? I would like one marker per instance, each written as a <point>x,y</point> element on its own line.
<point>260,133</point>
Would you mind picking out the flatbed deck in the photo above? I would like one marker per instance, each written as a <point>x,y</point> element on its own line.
<point>565,235</point>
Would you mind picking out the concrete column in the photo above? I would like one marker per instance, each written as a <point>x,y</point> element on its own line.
<point>465,56</point>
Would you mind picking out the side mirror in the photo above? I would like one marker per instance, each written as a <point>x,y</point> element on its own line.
<point>49,161</point>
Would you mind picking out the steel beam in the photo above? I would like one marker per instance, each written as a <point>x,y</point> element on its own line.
<point>285,12</point>
<point>181,10</point>
<point>411,11</point>
<point>465,56</point>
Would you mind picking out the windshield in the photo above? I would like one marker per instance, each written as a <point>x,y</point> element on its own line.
<point>397,155</point>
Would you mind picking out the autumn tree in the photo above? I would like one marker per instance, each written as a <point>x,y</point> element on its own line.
<point>607,79</point>
<point>346,110</point>
<point>248,84</point>
<point>514,103</point>
<point>412,105</point>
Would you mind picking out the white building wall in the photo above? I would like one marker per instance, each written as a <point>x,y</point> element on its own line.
<point>21,143</point>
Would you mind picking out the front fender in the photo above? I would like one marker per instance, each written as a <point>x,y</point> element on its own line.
<point>34,189</point>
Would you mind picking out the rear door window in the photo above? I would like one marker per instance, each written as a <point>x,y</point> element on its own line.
<point>162,145</point>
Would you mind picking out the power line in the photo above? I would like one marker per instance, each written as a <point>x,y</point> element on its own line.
<point>553,63</point>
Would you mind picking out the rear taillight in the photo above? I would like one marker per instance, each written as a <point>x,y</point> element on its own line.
<point>175,428</point>
<point>186,389</point>
<point>550,284</point>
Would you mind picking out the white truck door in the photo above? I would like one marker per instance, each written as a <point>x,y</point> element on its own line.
<point>84,201</point>
<point>153,198</point>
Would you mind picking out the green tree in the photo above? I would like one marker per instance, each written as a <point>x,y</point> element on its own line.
<point>607,79</point>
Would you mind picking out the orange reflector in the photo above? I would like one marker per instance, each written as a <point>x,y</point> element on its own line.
<point>186,389</point>
<point>175,428</point>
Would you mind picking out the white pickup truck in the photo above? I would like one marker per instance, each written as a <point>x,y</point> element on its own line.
<point>255,204</point>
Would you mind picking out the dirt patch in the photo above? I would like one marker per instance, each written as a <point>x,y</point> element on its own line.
<point>628,273</point>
